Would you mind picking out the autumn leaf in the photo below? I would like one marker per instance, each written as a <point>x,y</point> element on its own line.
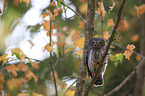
<point>70,93</point>
<point>134,38</point>
<point>123,25</point>
<point>76,36</point>
<point>140,10</point>
<point>110,22</point>
<point>29,75</point>
<point>67,50</point>
<point>137,57</point>
<point>106,35</point>
<point>111,7</point>
<point>48,48</point>
<point>15,83</point>
<point>1,82</point>
<point>36,94</point>
<point>46,25</point>
<point>16,2</point>
<point>53,3</point>
<point>81,24</point>
<point>101,9</point>
<point>12,68</point>
<point>59,34</point>
<point>80,43</point>
<point>63,85</point>
<point>61,44</point>
<point>3,58</point>
<point>22,67</point>
<point>16,50</point>
<point>27,1</point>
<point>24,94</point>
<point>129,51</point>
<point>56,11</point>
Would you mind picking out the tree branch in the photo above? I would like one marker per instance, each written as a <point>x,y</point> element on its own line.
<point>72,10</point>
<point>126,79</point>
<point>118,18</point>
<point>89,29</point>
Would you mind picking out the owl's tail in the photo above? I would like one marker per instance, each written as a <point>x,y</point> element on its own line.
<point>99,81</point>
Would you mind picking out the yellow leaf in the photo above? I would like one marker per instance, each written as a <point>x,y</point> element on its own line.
<point>80,43</point>
<point>110,22</point>
<point>3,58</point>
<point>23,94</point>
<point>129,51</point>
<point>101,9</point>
<point>106,35</point>
<point>27,1</point>
<point>53,3</point>
<point>12,68</point>
<point>70,93</point>
<point>81,24</point>
<point>16,50</point>
<point>36,94</point>
<point>68,49</point>
<point>48,48</point>
<point>76,36</point>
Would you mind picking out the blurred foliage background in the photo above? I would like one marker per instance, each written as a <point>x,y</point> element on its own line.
<point>69,29</point>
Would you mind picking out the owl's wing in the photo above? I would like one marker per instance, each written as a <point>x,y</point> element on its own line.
<point>87,58</point>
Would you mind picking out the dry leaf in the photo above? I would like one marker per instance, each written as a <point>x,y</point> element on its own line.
<point>80,43</point>
<point>24,94</point>
<point>22,67</point>
<point>48,48</point>
<point>138,58</point>
<point>61,44</point>
<point>53,3</point>
<point>129,51</point>
<point>3,58</point>
<point>55,74</point>
<point>106,35</point>
<point>70,93</point>
<point>134,38</point>
<point>36,94</point>
<point>67,50</point>
<point>110,22</point>
<point>111,7</point>
<point>101,9</point>
<point>12,68</point>
<point>123,25</point>
<point>76,36</point>
<point>27,1</point>
<point>140,10</point>
<point>81,24</point>
<point>29,75</point>
<point>80,53</point>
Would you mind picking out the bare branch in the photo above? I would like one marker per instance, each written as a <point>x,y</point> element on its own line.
<point>72,10</point>
<point>126,79</point>
<point>107,48</point>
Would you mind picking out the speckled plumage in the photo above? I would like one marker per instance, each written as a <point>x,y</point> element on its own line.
<point>96,47</point>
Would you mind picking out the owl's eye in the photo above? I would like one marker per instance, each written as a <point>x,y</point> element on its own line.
<point>99,42</point>
<point>94,42</point>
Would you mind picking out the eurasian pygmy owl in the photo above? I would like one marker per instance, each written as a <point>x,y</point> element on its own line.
<point>96,47</point>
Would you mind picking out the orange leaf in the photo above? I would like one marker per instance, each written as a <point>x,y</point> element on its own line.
<point>29,75</point>
<point>106,35</point>
<point>16,50</point>
<point>56,11</point>
<point>59,34</point>
<point>48,48</point>
<point>52,3</point>
<point>134,38</point>
<point>140,10</point>
<point>110,22</point>
<point>129,51</point>
<point>1,82</point>
<point>63,85</point>
<point>27,1</point>
<point>80,53</point>
<point>46,25</point>
<point>61,44</point>
<point>36,94</point>
<point>81,24</point>
<point>76,36</point>
<point>3,58</point>
<point>101,9</point>
<point>22,67</point>
<point>12,68</point>
<point>44,15</point>
<point>138,58</point>
<point>111,7</point>
<point>123,25</point>
<point>55,74</point>
<point>70,93</point>
<point>50,14</point>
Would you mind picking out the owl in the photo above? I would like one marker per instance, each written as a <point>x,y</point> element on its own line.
<point>96,48</point>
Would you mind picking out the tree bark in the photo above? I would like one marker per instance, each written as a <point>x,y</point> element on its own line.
<point>89,29</point>
<point>141,72</point>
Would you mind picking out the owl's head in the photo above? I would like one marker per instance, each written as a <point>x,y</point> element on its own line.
<point>96,43</point>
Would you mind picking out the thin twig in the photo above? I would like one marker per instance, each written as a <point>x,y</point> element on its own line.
<point>72,10</point>
<point>107,48</point>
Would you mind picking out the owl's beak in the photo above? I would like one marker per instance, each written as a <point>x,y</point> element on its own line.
<point>96,45</point>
